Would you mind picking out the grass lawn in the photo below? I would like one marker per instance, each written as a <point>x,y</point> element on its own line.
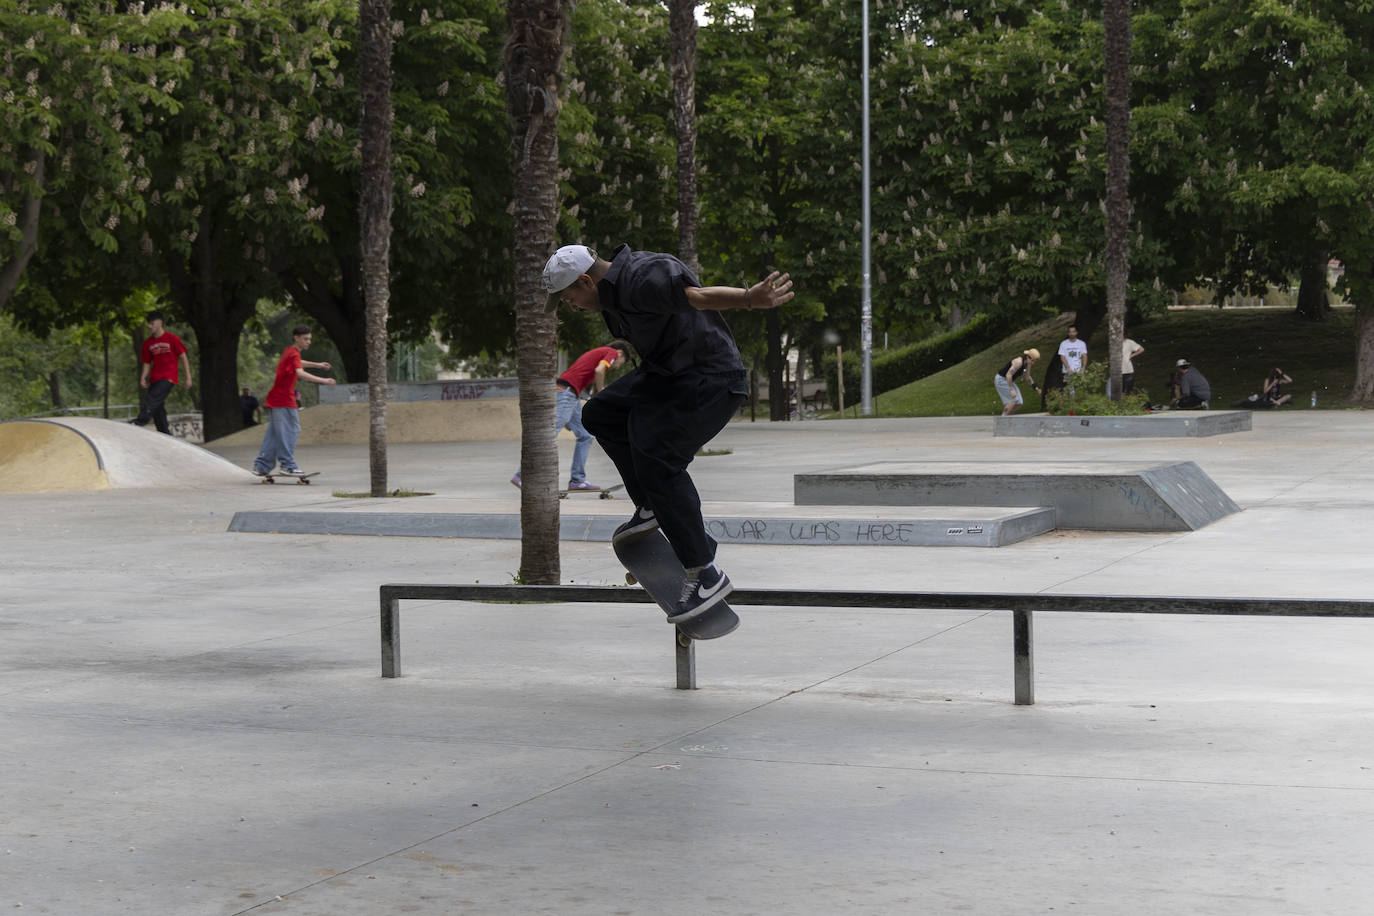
<point>1233,348</point>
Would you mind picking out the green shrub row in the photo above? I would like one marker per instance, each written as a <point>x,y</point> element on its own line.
<point>895,368</point>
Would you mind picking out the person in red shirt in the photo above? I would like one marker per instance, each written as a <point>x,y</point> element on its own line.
<point>587,371</point>
<point>162,352</point>
<point>283,407</point>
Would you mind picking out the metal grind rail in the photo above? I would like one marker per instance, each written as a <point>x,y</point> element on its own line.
<point>1021,605</point>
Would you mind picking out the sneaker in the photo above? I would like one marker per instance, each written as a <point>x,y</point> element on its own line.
<point>1203,406</point>
<point>293,472</point>
<point>584,485</point>
<point>705,587</point>
<point>515,481</point>
<point>257,473</point>
<point>642,522</point>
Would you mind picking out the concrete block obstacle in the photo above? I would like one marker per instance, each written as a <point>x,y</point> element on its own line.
<point>1092,495</point>
<point>1173,424</point>
<point>975,526</point>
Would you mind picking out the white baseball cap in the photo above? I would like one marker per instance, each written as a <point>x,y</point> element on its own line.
<point>1180,363</point>
<point>566,265</point>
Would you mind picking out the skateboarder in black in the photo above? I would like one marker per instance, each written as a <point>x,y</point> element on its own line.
<point>687,386</point>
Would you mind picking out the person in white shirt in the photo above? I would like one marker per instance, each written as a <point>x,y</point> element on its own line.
<point>1129,351</point>
<point>1073,353</point>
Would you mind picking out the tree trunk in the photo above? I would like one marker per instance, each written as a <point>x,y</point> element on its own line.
<point>1117,28</point>
<point>374,204</point>
<point>29,212</point>
<point>682,44</point>
<point>217,307</point>
<point>1363,392</point>
<point>217,377</point>
<point>1312,300</point>
<point>777,385</point>
<point>105,349</point>
<point>532,62</point>
<point>55,389</point>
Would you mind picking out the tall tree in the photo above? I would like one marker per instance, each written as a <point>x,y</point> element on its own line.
<point>374,131</point>
<point>537,40</point>
<point>682,43</point>
<point>1116,18</point>
<point>80,90</point>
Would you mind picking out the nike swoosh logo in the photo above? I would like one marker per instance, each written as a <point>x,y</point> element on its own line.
<point>710,592</point>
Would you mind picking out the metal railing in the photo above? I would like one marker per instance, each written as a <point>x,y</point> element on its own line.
<point>1021,606</point>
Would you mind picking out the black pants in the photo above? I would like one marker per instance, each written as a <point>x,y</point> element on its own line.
<point>1127,382</point>
<point>651,426</point>
<point>153,408</point>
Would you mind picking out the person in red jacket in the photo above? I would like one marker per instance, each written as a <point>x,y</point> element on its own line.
<point>162,352</point>
<point>587,371</point>
<point>283,407</point>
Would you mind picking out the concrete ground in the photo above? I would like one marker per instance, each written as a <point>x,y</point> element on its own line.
<point>193,722</point>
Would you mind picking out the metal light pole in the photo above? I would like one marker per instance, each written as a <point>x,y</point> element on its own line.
<point>866,323</point>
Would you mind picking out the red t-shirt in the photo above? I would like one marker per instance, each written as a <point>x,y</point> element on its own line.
<point>283,393</point>
<point>583,369</point>
<point>164,354</point>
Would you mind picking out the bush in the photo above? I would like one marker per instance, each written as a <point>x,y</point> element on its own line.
<point>895,368</point>
<point>1088,397</point>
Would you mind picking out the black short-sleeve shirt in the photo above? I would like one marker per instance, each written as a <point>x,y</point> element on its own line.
<point>644,300</point>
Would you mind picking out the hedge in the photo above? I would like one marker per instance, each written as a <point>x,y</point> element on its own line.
<point>895,368</point>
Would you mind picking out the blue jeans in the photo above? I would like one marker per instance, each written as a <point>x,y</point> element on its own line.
<point>279,441</point>
<point>568,412</point>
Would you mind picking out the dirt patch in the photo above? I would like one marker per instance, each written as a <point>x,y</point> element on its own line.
<point>47,458</point>
<point>494,419</point>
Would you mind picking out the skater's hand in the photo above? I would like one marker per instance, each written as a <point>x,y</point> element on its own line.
<point>770,292</point>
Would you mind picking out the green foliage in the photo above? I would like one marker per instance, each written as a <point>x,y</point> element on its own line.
<point>895,368</point>
<point>1233,348</point>
<point>1088,396</point>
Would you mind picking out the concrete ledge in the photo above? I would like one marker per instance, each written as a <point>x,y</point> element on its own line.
<point>1101,496</point>
<point>915,527</point>
<point>1169,424</point>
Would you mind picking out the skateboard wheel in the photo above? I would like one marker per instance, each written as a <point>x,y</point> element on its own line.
<point>683,639</point>
<point>630,579</point>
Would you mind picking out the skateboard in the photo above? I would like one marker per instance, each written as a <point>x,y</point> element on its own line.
<point>605,492</point>
<point>298,478</point>
<point>651,563</point>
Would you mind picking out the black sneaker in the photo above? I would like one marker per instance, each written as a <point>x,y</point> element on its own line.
<point>642,522</point>
<point>704,589</point>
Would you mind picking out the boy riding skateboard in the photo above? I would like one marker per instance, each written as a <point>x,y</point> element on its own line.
<point>689,383</point>
<point>283,407</point>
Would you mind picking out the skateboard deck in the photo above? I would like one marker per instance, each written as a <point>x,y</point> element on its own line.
<point>603,492</point>
<point>298,478</point>
<point>652,563</point>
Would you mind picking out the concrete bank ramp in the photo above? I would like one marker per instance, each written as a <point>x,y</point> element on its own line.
<point>64,454</point>
<point>1093,495</point>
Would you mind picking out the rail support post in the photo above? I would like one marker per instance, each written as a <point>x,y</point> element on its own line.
<point>1023,649</point>
<point>391,635</point>
<point>686,655</point>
